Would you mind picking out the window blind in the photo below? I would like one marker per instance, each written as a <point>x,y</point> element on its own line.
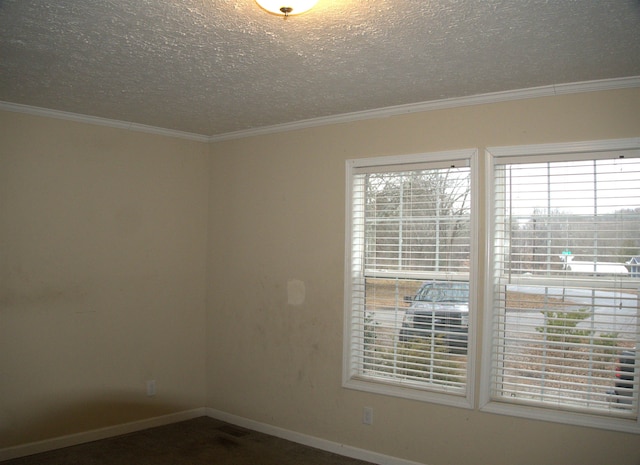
<point>565,326</point>
<point>409,225</point>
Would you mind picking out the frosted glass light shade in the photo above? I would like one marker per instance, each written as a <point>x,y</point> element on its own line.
<point>287,7</point>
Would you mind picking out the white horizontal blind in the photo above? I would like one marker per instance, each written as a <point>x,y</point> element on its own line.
<point>408,225</point>
<point>566,290</point>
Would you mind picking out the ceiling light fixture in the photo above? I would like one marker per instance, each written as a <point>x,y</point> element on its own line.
<point>286,7</point>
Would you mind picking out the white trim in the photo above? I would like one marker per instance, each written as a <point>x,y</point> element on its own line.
<point>487,325</point>
<point>307,440</point>
<point>348,250</point>
<point>9,453</point>
<point>402,162</point>
<point>111,123</point>
<point>482,99</point>
<point>563,417</point>
<point>463,400</point>
<point>606,145</point>
<point>474,289</point>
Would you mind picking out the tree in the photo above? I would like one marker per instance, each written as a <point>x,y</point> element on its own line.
<point>419,219</point>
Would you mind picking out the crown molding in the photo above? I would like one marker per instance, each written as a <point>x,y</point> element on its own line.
<point>78,118</point>
<point>482,99</point>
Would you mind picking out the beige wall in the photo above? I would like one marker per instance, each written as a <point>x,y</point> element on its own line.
<point>277,205</point>
<point>102,276</point>
<point>106,280</point>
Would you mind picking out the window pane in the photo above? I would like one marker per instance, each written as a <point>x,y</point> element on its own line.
<point>410,246</point>
<point>566,240</point>
<point>403,342</point>
<point>417,220</point>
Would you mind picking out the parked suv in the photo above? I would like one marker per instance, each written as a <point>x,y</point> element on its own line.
<point>624,377</point>
<point>439,309</point>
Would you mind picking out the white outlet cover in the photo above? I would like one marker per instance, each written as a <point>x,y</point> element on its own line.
<point>367,416</point>
<point>151,387</point>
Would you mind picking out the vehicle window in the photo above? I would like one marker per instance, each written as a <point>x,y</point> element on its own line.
<point>444,292</point>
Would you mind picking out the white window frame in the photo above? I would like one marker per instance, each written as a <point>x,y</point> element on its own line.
<point>350,372</point>
<point>487,403</point>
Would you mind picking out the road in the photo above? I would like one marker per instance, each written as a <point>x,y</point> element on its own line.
<point>614,312</point>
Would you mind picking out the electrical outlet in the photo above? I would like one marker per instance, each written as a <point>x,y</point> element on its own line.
<point>151,387</point>
<point>367,416</point>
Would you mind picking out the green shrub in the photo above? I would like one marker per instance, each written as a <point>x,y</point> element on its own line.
<point>561,326</point>
<point>430,359</point>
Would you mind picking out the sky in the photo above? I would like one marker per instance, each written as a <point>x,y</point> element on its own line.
<point>571,186</point>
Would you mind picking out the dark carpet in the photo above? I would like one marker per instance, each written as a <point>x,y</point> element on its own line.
<point>201,441</point>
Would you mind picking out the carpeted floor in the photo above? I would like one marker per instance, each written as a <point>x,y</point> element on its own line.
<point>201,441</point>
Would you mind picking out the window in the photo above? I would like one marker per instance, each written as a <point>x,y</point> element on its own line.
<point>409,297</point>
<point>562,314</point>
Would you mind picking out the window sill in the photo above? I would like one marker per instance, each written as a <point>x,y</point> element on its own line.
<point>564,417</point>
<point>389,389</point>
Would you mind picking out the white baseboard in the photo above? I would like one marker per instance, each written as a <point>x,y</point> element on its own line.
<point>125,428</point>
<point>311,441</point>
<point>96,434</point>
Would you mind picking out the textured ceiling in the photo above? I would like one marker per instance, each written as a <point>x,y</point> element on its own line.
<point>212,67</point>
